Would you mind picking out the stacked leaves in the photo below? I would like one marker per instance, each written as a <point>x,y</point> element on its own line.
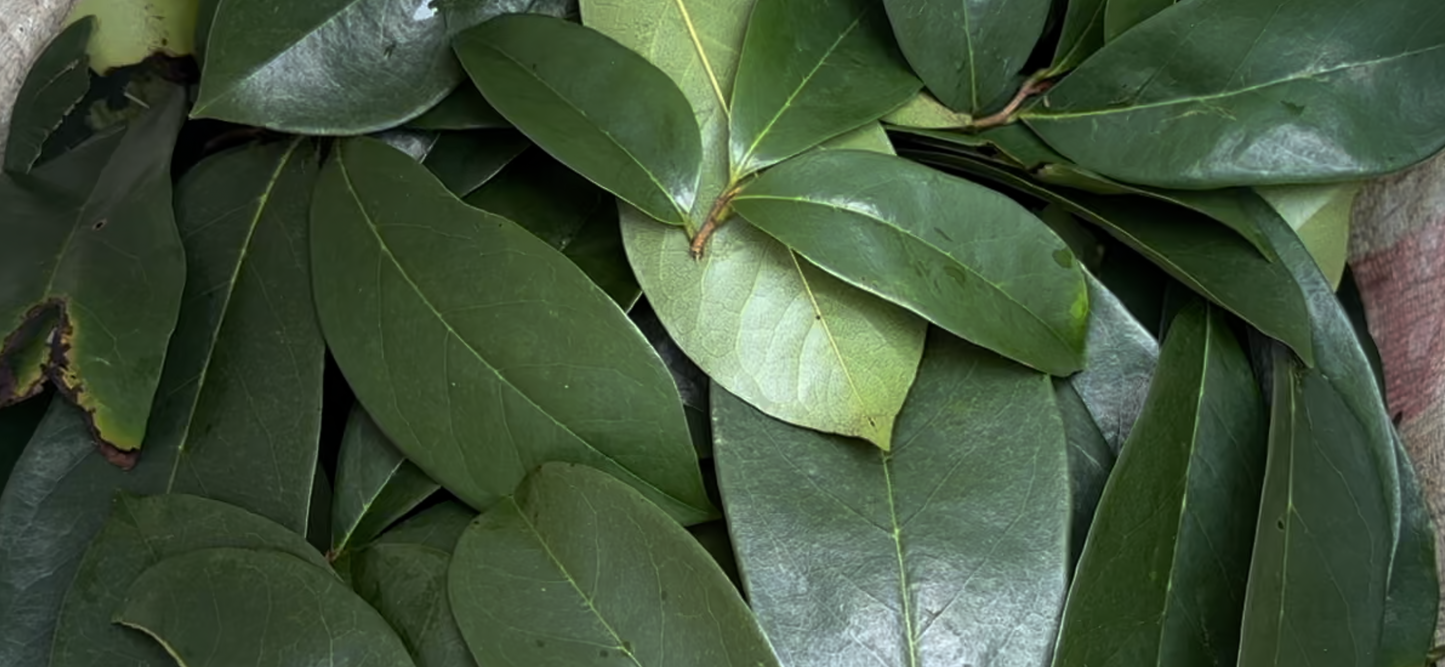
<point>744,332</point>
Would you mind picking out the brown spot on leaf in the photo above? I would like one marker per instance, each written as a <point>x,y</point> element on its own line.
<point>69,385</point>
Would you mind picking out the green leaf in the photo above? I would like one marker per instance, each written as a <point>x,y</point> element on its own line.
<point>1249,92</point>
<point>140,533</point>
<point>569,213</point>
<point>924,111</point>
<point>478,349</point>
<point>1091,459</point>
<point>1232,273</point>
<point>573,91</point>
<point>870,137</point>
<point>325,67</point>
<point>17,424</point>
<point>464,109</point>
<point>1320,214</point>
<point>967,258</point>
<point>1163,575</point>
<point>375,485</point>
<point>1082,34</point>
<point>229,606</point>
<point>463,14</point>
<point>1122,356</point>
<point>238,412</point>
<point>950,550</point>
<point>465,161</point>
<point>129,31</point>
<point>91,236</point>
<point>1122,15</point>
<point>53,87</point>
<point>23,365</point>
<point>811,70</point>
<point>404,576</point>
<point>205,17</point>
<point>578,568</point>
<point>968,53</point>
<point>1413,597</point>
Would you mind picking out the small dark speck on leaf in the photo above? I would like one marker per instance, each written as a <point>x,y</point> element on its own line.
<point>627,646</point>
<point>664,596</point>
<point>541,644</point>
<point>100,224</point>
<point>603,653</point>
<point>1280,524</point>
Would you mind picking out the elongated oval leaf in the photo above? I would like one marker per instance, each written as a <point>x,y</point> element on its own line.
<point>1122,356</point>
<point>140,533</point>
<point>91,236</point>
<point>967,258</point>
<point>1121,15</point>
<point>811,70</point>
<point>1412,601</point>
<point>404,575</point>
<point>481,351</point>
<point>968,53</point>
<point>325,66</point>
<point>1247,92</point>
<point>1081,35</point>
<point>257,607</point>
<point>53,87</point>
<point>577,568</point>
<point>375,485</point>
<point>464,161</point>
<point>950,550</point>
<point>1162,578</point>
<point>573,91</point>
<point>1091,459</point>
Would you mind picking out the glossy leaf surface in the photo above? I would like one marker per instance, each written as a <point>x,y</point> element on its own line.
<point>465,161</point>
<point>1122,15</point>
<point>404,576</point>
<point>963,256</point>
<point>479,386</point>
<point>968,53</point>
<point>952,549</point>
<point>463,14</point>
<point>1122,356</point>
<point>325,67</point>
<point>92,238</point>
<point>53,87</point>
<point>1247,92</point>
<point>1081,35</point>
<point>464,109</point>
<point>1091,459</point>
<point>572,91</point>
<point>578,568</point>
<point>375,485</point>
<point>140,533</point>
<point>1162,578</point>
<point>229,606</point>
<point>811,70</point>
<point>924,111</point>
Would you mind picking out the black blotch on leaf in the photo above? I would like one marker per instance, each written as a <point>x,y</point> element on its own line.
<point>100,224</point>
<point>1280,524</point>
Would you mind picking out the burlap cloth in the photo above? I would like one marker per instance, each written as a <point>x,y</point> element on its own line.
<point>1397,250</point>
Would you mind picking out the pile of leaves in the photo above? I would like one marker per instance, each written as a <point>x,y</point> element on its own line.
<point>709,332</point>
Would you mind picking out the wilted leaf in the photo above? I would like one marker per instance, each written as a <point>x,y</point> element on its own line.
<point>375,485</point>
<point>478,349</point>
<point>254,607</point>
<point>53,87</point>
<point>573,91</point>
<point>950,550</point>
<point>464,109</point>
<point>578,568</point>
<point>325,66</point>
<point>465,161</point>
<point>967,258</point>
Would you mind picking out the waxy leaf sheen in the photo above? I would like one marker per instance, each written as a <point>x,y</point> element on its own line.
<point>464,109</point>
<point>574,92</point>
<point>1122,356</point>
<point>478,349</point>
<point>578,568</point>
<point>53,87</point>
<point>965,257</point>
<point>465,161</point>
<point>952,549</point>
<point>375,485</point>
<point>1122,15</point>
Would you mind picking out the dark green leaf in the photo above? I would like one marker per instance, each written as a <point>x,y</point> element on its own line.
<point>140,533</point>
<point>415,143</point>
<point>1121,355</point>
<point>464,161</point>
<point>375,485</point>
<point>404,576</point>
<point>950,550</point>
<point>325,66</point>
<point>91,237</point>
<point>464,109</point>
<point>569,213</point>
<point>23,366</point>
<point>1122,15</point>
<point>478,349</point>
<point>969,53</point>
<point>965,257</point>
<point>53,87</point>
<point>1090,461</point>
<point>1246,92</point>
<point>1211,260</point>
<point>578,568</point>
<point>573,91</point>
<point>205,17</point>
<point>228,606</point>
<point>1082,35</point>
<point>811,70</point>
<point>1413,597</point>
<point>463,14</point>
<point>713,536</point>
<point>1162,578</point>
<point>17,424</point>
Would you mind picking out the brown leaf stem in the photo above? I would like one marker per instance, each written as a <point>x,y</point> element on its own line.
<point>1033,86</point>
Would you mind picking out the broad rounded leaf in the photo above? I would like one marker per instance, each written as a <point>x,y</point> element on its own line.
<point>254,608</point>
<point>967,258</point>
<point>574,92</point>
<point>950,550</point>
<point>578,568</point>
<point>481,351</point>
<point>325,66</point>
<point>969,53</point>
<point>1248,92</point>
<point>375,485</point>
<point>1161,580</point>
<point>811,70</point>
<point>53,87</point>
